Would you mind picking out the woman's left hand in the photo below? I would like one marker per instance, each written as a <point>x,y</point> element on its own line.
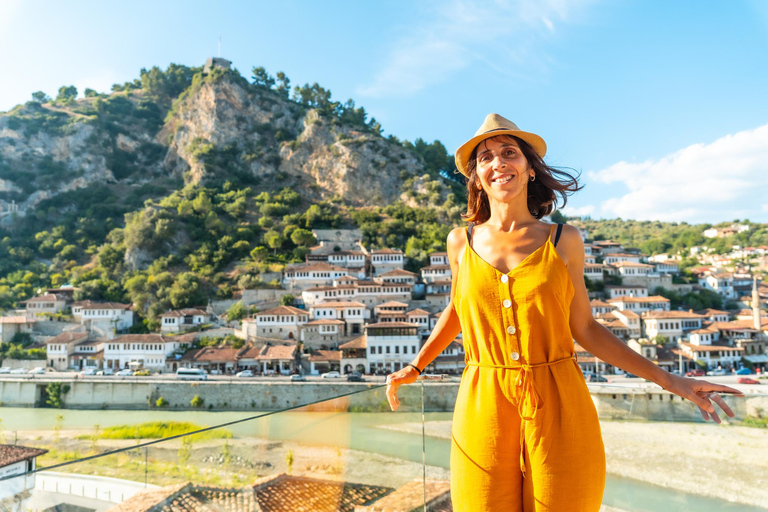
<point>702,393</point>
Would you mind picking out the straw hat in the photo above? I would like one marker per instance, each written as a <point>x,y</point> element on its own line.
<point>495,125</point>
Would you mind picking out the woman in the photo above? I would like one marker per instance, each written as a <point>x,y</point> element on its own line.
<point>525,433</point>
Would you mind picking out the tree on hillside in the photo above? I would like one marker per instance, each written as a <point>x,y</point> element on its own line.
<point>67,94</point>
<point>40,97</point>
<point>262,79</point>
<point>283,84</point>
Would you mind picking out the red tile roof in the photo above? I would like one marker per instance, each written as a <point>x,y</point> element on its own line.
<point>11,454</point>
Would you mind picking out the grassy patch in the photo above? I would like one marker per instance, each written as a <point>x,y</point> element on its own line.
<point>751,421</point>
<point>159,429</point>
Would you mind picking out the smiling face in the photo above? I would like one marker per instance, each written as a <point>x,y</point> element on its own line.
<point>502,169</point>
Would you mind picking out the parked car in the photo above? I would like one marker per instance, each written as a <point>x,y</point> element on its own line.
<point>593,377</point>
<point>88,371</point>
<point>630,375</point>
<point>106,371</point>
<point>296,377</point>
<point>744,371</point>
<point>142,373</point>
<point>5,369</point>
<point>331,375</point>
<point>747,380</point>
<point>355,377</point>
<point>698,372</point>
<point>125,372</point>
<point>719,371</point>
<point>40,370</point>
<point>244,373</point>
<point>19,371</point>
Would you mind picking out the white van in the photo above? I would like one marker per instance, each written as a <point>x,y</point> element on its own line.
<point>191,374</point>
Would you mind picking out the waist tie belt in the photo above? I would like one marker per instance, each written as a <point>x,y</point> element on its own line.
<point>525,380</point>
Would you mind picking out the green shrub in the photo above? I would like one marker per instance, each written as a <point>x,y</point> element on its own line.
<point>196,401</point>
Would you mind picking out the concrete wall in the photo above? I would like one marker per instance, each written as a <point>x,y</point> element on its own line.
<point>629,404</point>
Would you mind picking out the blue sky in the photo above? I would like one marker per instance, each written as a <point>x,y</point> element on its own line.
<point>661,106</point>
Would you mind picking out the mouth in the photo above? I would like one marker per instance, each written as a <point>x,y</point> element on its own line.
<point>503,179</point>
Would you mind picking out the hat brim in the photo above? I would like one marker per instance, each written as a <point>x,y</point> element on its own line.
<point>465,150</point>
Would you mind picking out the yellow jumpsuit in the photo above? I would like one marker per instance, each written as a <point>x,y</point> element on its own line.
<point>525,433</point>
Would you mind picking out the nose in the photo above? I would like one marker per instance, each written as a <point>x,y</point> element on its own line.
<point>498,162</point>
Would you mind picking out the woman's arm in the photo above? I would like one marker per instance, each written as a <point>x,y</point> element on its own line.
<point>445,331</point>
<point>603,344</point>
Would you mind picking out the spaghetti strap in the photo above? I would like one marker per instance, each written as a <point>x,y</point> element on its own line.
<point>469,232</point>
<point>559,229</point>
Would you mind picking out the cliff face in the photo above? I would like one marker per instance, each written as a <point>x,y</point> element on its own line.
<point>277,140</point>
<point>221,126</point>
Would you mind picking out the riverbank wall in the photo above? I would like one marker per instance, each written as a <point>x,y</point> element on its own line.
<point>611,402</point>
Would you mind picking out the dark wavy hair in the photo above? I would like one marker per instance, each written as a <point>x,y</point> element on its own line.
<point>542,192</point>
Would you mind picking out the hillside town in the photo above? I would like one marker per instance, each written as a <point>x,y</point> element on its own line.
<point>348,309</point>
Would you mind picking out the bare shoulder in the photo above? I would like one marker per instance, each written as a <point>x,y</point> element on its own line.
<point>570,246</point>
<point>455,243</point>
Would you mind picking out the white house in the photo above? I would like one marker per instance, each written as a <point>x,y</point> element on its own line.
<point>671,324</point>
<point>593,271</point>
<point>391,345</point>
<point>616,257</point>
<point>307,275</point>
<point>147,350</point>
<point>281,322</point>
<point>433,273</point>
<point>181,319</point>
<point>626,290</point>
<point>59,348</point>
<point>104,315</point>
<point>640,304</point>
<point>46,303</point>
<point>353,313</point>
<point>17,460</point>
<point>438,258</point>
<point>398,276</point>
<point>419,317</point>
<point>721,283</point>
<point>10,325</point>
<point>385,260</point>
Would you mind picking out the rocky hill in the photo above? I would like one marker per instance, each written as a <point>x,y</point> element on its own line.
<point>219,128</point>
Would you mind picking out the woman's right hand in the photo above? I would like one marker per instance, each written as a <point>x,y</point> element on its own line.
<point>405,375</point>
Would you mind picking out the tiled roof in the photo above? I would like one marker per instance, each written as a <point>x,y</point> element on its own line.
<point>314,266</point>
<point>629,264</point>
<point>47,297</point>
<point>305,494</point>
<point>398,272</point>
<point>207,354</point>
<point>416,312</point>
<point>283,310</point>
<point>391,324</point>
<point>184,312</point>
<point>709,348</point>
<point>325,321</point>
<point>671,314</point>
<point>436,267</point>
<point>387,251</point>
<point>87,304</point>
<point>392,304</point>
<point>339,304</point>
<point>359,342</point>
<point>140,338</point>
<point>273,352</point>
<point>10,454</point>
<point>411,497</point>
<point>651,298</point>
<point>326,355</point>
<point>16,320</point>
<point>67,337</point>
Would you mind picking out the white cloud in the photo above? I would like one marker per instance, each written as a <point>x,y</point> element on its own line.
<point>581,211</point>
<point>727,179</point>
<point>459,32</point>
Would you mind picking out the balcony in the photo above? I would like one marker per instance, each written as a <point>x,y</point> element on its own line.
<point>347,451</point>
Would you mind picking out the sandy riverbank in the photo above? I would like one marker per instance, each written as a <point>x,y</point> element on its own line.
<point>722,461</point>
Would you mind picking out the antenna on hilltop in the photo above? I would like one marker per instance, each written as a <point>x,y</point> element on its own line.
<point>219,45</point>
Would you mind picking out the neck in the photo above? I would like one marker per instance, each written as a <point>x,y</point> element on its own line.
<point>510,216</point>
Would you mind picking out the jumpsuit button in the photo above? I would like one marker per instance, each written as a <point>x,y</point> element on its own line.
<point>507,303</point>
<point>515,356</point>
<point>504,278</point>
<point>511,329</point>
